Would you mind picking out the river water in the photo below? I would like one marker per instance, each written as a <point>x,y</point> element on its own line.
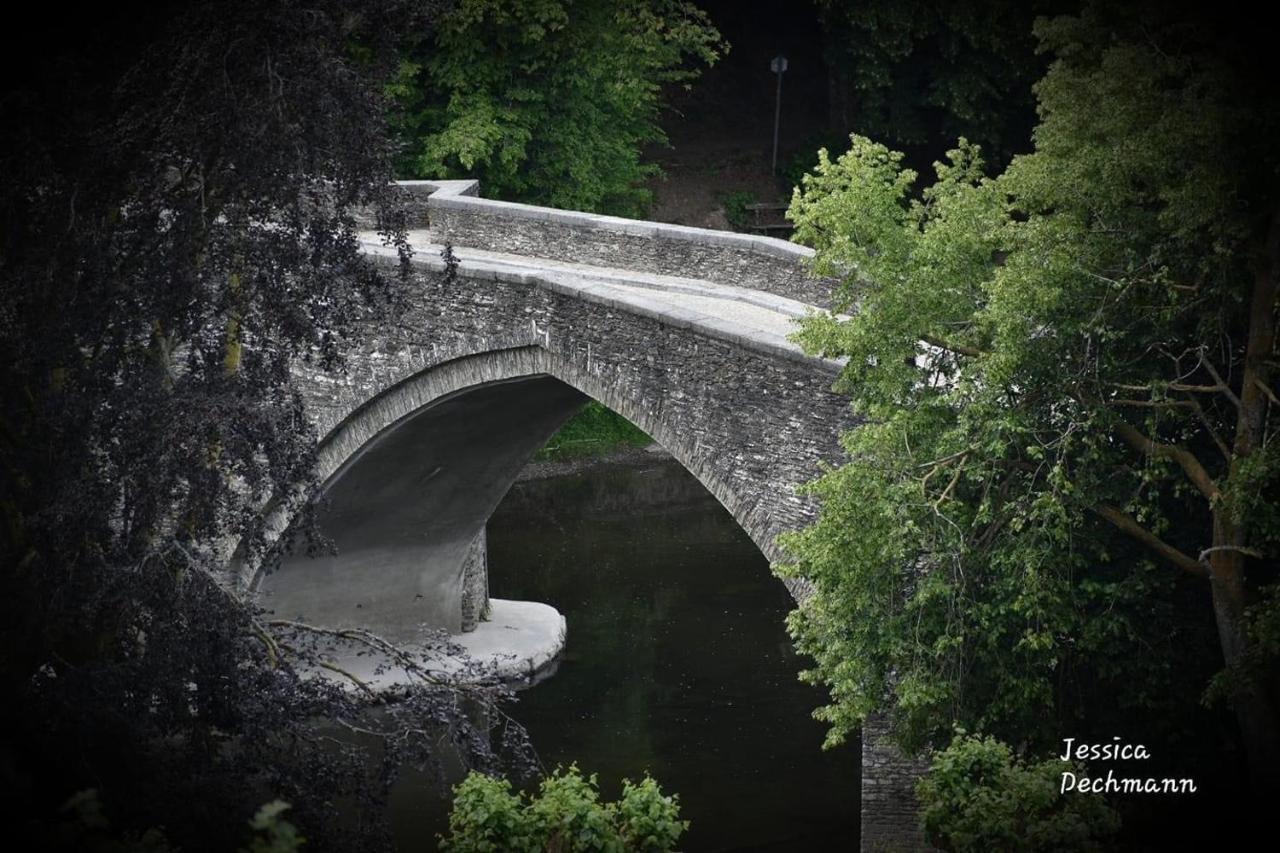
<point>677,662</point>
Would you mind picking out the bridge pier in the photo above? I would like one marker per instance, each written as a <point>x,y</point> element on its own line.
<point>890,810</point>
<point>475,582</point>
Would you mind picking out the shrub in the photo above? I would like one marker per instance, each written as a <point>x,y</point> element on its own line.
<point>566,815</point>
<point>735,208</point>
<point>978,796</point>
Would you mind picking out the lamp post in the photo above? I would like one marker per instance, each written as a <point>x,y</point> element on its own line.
<point>777,66</point>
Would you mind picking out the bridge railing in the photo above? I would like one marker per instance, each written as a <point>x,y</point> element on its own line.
<point>455,214</point>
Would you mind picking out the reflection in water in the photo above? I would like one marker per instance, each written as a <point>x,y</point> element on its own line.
<point>677,663</point>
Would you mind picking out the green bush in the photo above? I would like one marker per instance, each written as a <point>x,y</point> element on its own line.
<point>978,796</point>
<point>735,208</point>
<point>566,815</point>
<point>595,429</point>
<point>805,159</point>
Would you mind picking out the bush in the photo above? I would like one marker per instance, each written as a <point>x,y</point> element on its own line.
<point>805,158</point>
<point>978,796</point>
<point>735,208</point>
<point>566,815</point>
<point>595,430</point>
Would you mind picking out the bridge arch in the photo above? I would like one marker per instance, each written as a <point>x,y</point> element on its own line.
<point>456,435</point>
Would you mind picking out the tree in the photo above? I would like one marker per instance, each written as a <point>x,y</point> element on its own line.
<point>179,228</point>
<point>1068,374</point>
<point>550,102</point>
<point>920,74</point>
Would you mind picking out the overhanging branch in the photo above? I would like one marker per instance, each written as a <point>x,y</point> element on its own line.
<point>1133,529</point>
<point>1185,458</point>
<point>950,346</point>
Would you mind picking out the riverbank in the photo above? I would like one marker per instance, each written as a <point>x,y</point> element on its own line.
<point>622,455</point>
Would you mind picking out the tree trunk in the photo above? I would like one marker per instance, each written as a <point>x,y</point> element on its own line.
<point>1255,705</point>
<point>1255,711</point>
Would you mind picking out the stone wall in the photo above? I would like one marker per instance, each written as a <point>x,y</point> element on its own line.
<point>475,582</point>
<point>458,216</point>
<point>890,810</point>
<point>749,416</point>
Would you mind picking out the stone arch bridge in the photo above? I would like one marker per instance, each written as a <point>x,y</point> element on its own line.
<point>681,330</point>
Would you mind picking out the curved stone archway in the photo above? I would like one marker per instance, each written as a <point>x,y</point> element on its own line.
<point>412,476</point>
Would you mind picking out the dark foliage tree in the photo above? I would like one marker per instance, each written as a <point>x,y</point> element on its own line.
<point>922,73</point>
<point>179,211</point>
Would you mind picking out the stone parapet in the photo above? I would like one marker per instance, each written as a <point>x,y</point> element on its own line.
<point>456,215</point>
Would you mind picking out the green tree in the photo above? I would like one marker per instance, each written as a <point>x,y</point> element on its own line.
<point>183,191</point>
<point>550,101</point>
<point>1068,376</point>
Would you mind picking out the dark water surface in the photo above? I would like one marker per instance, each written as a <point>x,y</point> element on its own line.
<point>677,662</point>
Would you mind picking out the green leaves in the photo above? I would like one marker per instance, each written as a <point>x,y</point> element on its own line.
<point>566,815</point>
<point>550,102</point>
<point>1005,332</point>
<point>594,430</point>
<point>923,74</point>
<point>272,833</point>
<point>978,796</point>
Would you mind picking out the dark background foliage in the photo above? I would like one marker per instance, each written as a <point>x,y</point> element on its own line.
<point>178,225</point>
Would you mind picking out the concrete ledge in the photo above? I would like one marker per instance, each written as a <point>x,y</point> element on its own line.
<point>519,641</point>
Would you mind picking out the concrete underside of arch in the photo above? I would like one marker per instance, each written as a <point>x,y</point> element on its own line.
<point>406,511</point>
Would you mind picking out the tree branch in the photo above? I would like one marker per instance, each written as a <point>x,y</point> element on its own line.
<point>960,349</point>
<point>1251,552</point>
<point>1131,528</point>
<point>1208,425</point>
<point>367,638</point>
<point>955,478</point>
<point>1185,458</point>
<point>1217,377</point>
<point>1152,404</point>
<point>1205,389</point>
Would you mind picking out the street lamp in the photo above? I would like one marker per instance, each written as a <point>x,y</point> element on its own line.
<point>777,66</point>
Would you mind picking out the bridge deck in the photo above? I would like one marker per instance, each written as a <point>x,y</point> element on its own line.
<point>753,314</point>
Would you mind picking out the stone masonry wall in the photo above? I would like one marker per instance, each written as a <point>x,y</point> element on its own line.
<point>750,419</point>
<point>459,217</point>
<point>890,810</point>
<point>475,582</point>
